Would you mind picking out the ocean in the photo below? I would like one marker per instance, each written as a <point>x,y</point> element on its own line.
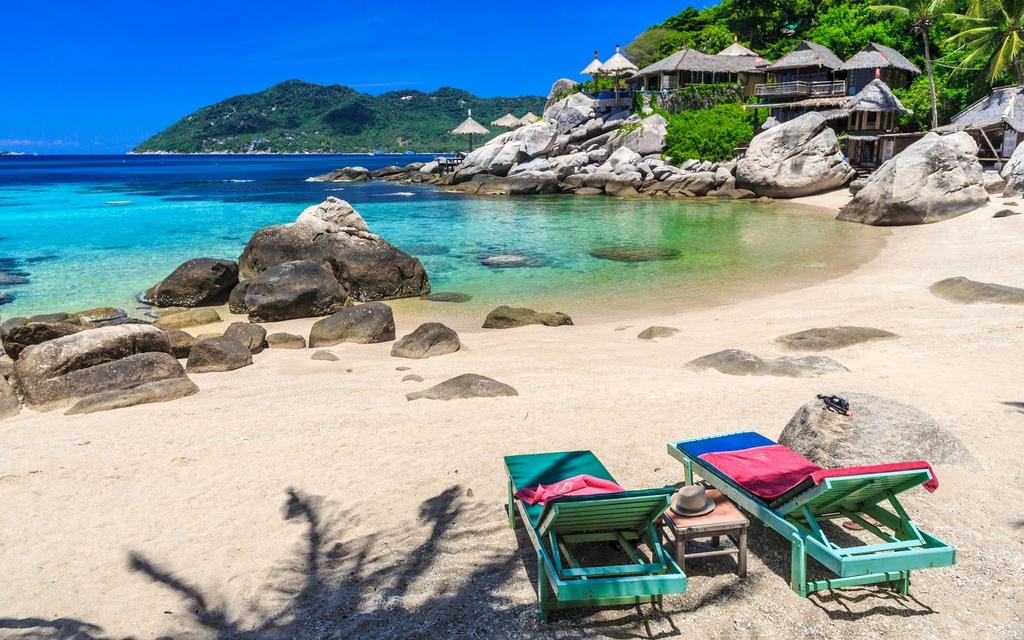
<point>84,231</point>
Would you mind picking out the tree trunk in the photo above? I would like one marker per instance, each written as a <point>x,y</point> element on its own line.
<point>931,79</point>
<point>1017,70</point>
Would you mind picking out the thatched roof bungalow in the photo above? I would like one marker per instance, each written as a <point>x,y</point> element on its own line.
<point>877,61</point>
<point>996,121</point>
<point>808,71</point>
<point>690,66</point>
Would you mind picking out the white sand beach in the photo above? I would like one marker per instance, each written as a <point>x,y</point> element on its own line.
<point>174,520</point>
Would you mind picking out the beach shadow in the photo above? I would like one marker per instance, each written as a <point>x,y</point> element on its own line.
<point>1017,406</point>
<point>854,603</point>
<point>42,629</point>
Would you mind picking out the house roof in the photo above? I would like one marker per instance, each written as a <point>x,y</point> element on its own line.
<point>737,49</point>
<point>593,68</point>
<point>875,96</point>
<point>1003,105</point>
<point>693,60</point>
<point>879,56</point>
<point>807,54</point>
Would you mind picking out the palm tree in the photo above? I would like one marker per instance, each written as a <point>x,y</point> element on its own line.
<point>992,30</point>
<point>922,14</point>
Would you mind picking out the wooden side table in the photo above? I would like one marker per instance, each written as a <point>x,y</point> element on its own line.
<point>725,520</point>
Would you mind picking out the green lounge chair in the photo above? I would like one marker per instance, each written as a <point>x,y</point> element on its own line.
<point>627,518</point>
<point>797,515</point>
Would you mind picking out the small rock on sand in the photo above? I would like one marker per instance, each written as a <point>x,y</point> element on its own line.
<point>365,324</point>
<point>218,354</point>
<point>828,338</point>
<point>468,385</point>
<point>281,340</point>
<point>966,291</point>
<point>428,340</point>
<point>189,318</point>
<point>181,341</point>
<point>412,377</point>
<point>650,333</point>
<point>505,317</point>
<point>735,362</point>
<point>880,430</point>
<point>326,356</point>
<point>1006,213</point>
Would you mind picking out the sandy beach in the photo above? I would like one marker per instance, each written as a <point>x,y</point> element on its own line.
<point>309,499</point>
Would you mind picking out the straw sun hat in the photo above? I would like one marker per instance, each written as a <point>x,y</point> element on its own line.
<point>692,500</point>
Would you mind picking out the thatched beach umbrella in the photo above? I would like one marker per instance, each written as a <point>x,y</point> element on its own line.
<point>508,121</point>
<point>529,118</point>
<point>618,66</point>
<point>468,127</point>
<point>593,70</point>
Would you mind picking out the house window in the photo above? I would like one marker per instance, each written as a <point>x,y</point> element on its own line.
<point>872,120</point>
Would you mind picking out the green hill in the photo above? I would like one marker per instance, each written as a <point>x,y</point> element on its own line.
<point>297,117</point>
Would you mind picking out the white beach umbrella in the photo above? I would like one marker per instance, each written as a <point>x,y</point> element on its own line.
<point>618,66</point>
<point>468,127</point>
<point>593,70</point>
<point>508,121</point>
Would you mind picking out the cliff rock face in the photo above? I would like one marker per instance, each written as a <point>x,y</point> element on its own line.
<point>367,266</point>
<point>796,158</point>
<point>934,179</point>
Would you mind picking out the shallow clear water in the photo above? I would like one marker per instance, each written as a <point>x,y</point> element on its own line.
<point>97,230</point>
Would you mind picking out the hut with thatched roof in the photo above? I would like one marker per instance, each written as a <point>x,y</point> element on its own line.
<point>805,79</point>
<point>617,67</point>
<point>529,118</point>
<point>877,61</point>
<point>689,66</point>
<point>996,122</point>
<point>871,114</point>
<point>470,127</point>
<point>507,121</point>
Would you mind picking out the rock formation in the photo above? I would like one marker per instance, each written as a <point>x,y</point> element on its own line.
<point>198,282</point>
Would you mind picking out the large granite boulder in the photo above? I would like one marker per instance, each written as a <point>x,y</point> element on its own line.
<point>505,317</point>
<point>428,340</point>
<point>934,179</point>
<point>9,403</point>
<point>880,430</point>
<point>218,354</point>
<point>17,337</point>
<point>478,161</point>
<point>536,139</point>
<point>646,138</point>
<point>364,324</point>
<point>105,359</point>
<point>252,336</point>
<point>146,393</point>
<point>570,112</point>
<point>1013,173</point>
<point>828,338</point>
<point>198,282</point>
<point>333,213</point>
<point>366,265</point>
<point>965,291</point>
<point>735,362</point>
<point>468,385</point>
<point>796,158</point>
<point>561,87</point>
<point>295,289</point>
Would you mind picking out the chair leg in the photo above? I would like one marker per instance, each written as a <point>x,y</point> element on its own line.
<point>904,584</point>
<point>741,555</point>
<point>542,588</point>
<point>511,506</point>
<point>798,569</point>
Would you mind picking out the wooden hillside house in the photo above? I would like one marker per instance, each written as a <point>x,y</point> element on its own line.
<point>996,122</point>
<point>736,65</point>
<point>878,62</point>
<point>870,116</point>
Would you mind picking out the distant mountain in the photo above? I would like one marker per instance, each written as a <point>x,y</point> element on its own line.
<point>297,117</point>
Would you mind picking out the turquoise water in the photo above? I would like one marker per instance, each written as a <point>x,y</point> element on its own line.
<point>89,231</point>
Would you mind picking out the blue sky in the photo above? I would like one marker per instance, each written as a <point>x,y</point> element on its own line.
<point>99,76</point>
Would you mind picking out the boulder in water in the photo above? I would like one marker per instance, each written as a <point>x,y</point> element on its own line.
<point>198,282</point>
<point>295,289</point>
<point>634,254</point>
<point>468,385</point>
<point>881,430</point>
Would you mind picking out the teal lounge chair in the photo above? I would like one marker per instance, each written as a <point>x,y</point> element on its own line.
<point>561,526</point>
<point>798,513</point>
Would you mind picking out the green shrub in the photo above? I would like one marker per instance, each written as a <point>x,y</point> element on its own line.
<point>707,134</point>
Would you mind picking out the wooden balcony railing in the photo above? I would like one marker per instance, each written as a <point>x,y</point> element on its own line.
<point>801,89</point>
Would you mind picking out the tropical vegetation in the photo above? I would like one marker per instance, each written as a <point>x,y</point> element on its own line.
<point>302,117</point>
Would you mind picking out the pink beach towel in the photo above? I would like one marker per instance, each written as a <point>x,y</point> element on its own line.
<point>582,485</point>
<point>769,472</point>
